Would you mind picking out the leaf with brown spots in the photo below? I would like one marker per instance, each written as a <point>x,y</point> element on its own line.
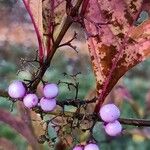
<point>120,45</point>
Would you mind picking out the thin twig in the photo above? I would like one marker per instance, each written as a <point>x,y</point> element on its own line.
<point>124,121</point>
<point>79,102</point>
<point>68,43</point>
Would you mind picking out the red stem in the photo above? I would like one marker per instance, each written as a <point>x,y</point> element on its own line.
<point>41,49</point>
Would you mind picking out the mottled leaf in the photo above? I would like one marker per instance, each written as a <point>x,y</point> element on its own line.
<point>117,46</point>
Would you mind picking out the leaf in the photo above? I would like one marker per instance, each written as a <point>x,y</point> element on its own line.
<point>51,132</point>
<point>118,45</point>
<point>34,8</point>
<point>20,126</point>
<point>53,12</point>
<point>60,10</point>
<point>37,124</point>
<point>146,6</point>
<point>45,16</point>
<point>101,135</point>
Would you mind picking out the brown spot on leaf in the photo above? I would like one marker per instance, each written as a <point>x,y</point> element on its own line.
<point>117,24</point>
<point>133,6</point>
<point>106,61</point>
<point>107,14</point>
<point>128,17</point>
<point>121,35</point>
<point>92,58</point>
<point>131,41</point>
<point>98,87</point>
<point>97,38</point>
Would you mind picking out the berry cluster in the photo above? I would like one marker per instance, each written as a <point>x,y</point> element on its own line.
<point>109,114</point>
<point>90,146</point>
<point>18,90</point>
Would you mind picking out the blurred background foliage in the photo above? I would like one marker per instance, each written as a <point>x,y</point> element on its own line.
<point>132,93</point>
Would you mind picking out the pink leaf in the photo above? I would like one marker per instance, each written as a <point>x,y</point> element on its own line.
<point>146,6</point>
<point>34,8</point>
<point>45,15</point>
<point>118,45</point>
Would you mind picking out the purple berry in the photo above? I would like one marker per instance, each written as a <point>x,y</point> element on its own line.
<point>109,113</point>
<point>30,100</point>
<point>78,148</point>
<point>50,90</point>
<point>91,146</point>
<point>47,104</point>
<point>113,128</point>
<point>17,89</point>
